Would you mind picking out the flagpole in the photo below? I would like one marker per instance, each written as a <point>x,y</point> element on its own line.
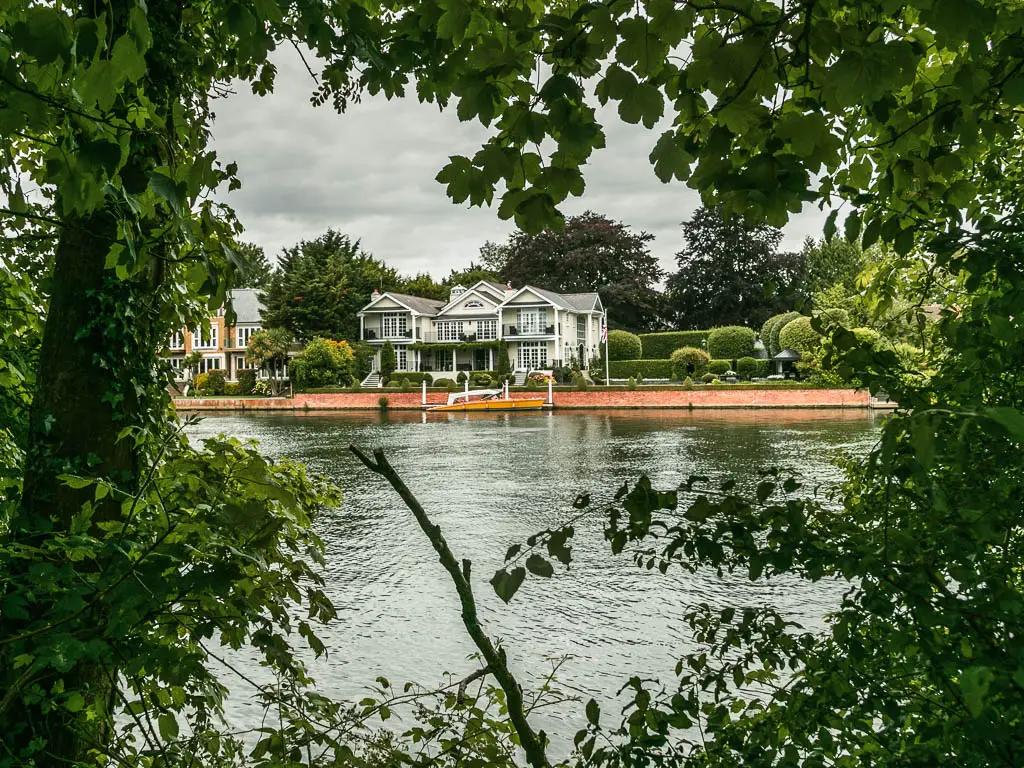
<point>607,375</point>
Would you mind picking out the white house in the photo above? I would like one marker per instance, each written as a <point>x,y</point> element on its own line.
<point>542,329</point>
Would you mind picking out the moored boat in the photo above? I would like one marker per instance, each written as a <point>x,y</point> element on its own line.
<point>487,400</point>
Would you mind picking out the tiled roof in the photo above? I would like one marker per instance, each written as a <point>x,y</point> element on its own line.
<point>417,303</point>
<point>247,305</point>
<point>584,302</point>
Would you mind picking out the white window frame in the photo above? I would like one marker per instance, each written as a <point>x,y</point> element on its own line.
<point>486,330</point>
<point>394,325</point>
<point>201,342</point>
<point>532,355</point>
<point>581,329</point>
<point>450,330</point>
<point>531,321</point>
<point>243,334</point>
<point>474,304</point>
<point>401,358</point>
<point>177,341</point>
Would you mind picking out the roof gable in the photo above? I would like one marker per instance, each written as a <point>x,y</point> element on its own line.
<point>470,295</point>
<point>547,297</point>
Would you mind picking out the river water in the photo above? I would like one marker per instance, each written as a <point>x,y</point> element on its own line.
<point>490,480</point>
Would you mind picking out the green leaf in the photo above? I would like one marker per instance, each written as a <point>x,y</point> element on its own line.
<point>75,702</point>
<point>974,684</point>
<point>765,489</point>
<point>512,551</point>
<point>164,187</point>
<point>644,103</point>
<point>670,159</point>
<point>168,725</point>
<point>593,712</point>
<point>506,584</point>
<point>1010,419</point>
<point>538,566</point>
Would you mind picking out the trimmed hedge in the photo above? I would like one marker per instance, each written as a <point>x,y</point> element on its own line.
<point>778,323</point>
<point>688,361</point>
<point>623,345</point>
<point>657,346</point>
<point>731,342</point>
<point>719,367</point>
<point>750,367</point>
<point>413,377</point>
<point>799,335</point>
<point>653,369</point>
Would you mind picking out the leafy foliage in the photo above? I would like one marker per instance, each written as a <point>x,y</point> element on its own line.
<point>799,335</point>
<point>662,345</point>
<point>689,361</point>
<point>623,345</point>
<point>773,327</point>
<point>591,252</point>
<point>730,273</point>
<point>640,369</point>
<point>388,360</point>
<point>324,363</point>
<point>730,342</point>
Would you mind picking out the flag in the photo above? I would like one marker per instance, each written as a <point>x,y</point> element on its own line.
<point>604,330</point>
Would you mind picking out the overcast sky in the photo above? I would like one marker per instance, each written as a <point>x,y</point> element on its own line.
<point>370,174</point>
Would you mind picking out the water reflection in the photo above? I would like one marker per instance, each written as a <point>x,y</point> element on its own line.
<point>491,479</point>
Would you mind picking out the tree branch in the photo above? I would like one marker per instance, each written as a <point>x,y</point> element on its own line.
<point>533,743</point>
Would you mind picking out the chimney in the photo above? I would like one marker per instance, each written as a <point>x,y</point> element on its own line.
<point>375,294</point>
<point>457,290</point>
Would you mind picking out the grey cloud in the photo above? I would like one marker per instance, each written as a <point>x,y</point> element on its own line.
<point>370,173</point>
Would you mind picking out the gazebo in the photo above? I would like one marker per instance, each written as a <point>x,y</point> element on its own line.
<point>786,356</point>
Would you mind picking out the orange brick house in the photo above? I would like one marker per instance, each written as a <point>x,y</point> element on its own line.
<point>223,346</point>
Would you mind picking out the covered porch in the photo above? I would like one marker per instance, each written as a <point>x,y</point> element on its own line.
<point>451,361</point>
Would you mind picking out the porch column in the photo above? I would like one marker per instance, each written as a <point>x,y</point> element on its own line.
<point>361,334</point>
<point>490,359</point>
<point>558,349</point>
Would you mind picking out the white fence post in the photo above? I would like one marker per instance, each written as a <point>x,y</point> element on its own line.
<point>424,392</point>
<point>551,399</point>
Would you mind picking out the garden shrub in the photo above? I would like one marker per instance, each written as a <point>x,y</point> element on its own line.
<point>909,355</point>
<point>747,367</point>
<point>262,387</point>
<point>246,381</point>
<point>216,380</point>
<point>231,388</point>
<point>199,382</point>
<point>688,361</point>
<point>562,374</point>
<point>404,385</point>
<point>581,382</point>
<point>621,369</point>
<point>719,367</point>
<point>660,346</point>
<point>482,380</point>
<point>382,402</point>
<point>687,383</point>
<point>867,336</point>
<point>323,363</point>
<point>415,377</point>
<point>731,342</point>
<point>532,385</point>
<point>780,323</point>
<point>835,316</point>
<point>709,378</point>
<point>443,382</point>
<point>799,335</point>
<point>631,384</point>
<point>388,361</point>
<point>356,386</point>
<point>461,377</point>
<point>623,345</point>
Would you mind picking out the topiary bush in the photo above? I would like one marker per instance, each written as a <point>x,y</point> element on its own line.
<point>660,346</point>
<point>231,388</point>
<point>687,383</point>
<point>731,342</point>
<point>443,382</point>
<point>799,335</point>
<point>780,322</point>
<point>482,380</point>
<point>689,361</point>
<point>404,385</point>
<point>718,367</point>
<point>623,345</point>
<point>461,377</point>
<point>746,367</point>
<point>581,382</point>
<point>709,378</point>
<point>631,384</point>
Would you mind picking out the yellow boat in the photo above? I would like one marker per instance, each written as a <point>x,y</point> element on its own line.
<point>487,400</point>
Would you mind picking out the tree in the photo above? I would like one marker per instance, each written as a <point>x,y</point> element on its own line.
<point>592,253</point>
<point>835,262</point>
<point>268,350</point>
<point>388,361</point>
<point>424,285</point>
<point>320,285</point>
<point>255,271</point>
<point>493,257</point>
<point>908,113</point>
<point>472,274</point>
<point>324,363</point>
<point>730,273</point>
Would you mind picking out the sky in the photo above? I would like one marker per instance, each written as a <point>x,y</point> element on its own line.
<point>370,174</point>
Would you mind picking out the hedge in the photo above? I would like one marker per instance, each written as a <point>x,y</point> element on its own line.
<point>772,343</point>
<point>749,368</point>
<point>799,335</point>
<point>662,345</point>
<point>731,342</point>
<point>719,367</point>
<point>688,361</point>
<point>413,377</point>
<point>649,369</point>
<point>623,345</point>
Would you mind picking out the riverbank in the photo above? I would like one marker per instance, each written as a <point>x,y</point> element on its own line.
<point>562,399</point>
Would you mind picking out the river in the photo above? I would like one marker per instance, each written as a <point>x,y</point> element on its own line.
<point>490,480</point>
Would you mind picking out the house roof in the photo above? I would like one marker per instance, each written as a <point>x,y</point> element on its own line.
<point>491,300</point>
<point>247,305</point>
<point>584,302</point>
<point>415,303</point>
<point>788,355</point>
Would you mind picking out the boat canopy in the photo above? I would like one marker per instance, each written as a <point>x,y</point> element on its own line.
<point>456,396</point>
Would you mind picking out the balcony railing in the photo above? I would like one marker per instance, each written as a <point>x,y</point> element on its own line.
<point>512,330</point>
<point>375,334</point>
<point>432,337</point>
